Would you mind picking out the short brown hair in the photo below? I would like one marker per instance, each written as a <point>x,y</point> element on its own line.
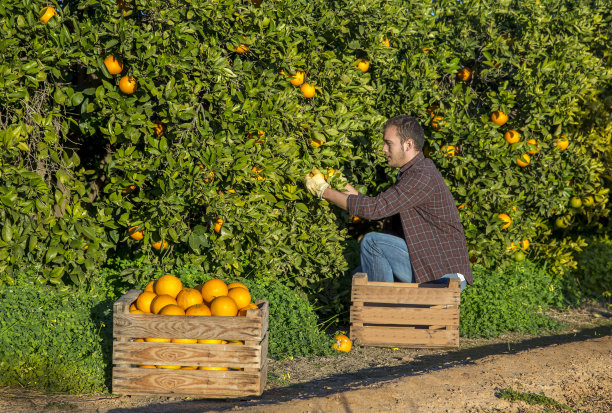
<point>407,128</point>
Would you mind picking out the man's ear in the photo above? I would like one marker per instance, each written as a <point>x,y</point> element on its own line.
<point>407,145</point>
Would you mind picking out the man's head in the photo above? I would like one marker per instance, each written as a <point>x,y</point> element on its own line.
<point>403,140</point>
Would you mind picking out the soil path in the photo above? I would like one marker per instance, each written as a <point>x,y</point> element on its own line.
<point>574,369</point>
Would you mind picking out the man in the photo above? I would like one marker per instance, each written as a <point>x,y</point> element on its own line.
<point>430,243</point>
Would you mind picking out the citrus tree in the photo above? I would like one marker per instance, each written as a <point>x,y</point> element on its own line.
<point>180,132</point>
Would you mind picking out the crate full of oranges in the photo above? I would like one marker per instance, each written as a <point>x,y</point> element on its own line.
<point>207,341</point>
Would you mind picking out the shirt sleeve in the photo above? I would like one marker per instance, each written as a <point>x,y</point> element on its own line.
<point>409,192</point>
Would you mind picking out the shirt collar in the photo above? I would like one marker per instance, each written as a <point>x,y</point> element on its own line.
<point>418,158</point>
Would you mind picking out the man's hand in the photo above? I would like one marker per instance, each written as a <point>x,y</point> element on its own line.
<point>315,183</point>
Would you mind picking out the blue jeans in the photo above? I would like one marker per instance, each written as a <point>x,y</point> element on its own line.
<point>385,256</point>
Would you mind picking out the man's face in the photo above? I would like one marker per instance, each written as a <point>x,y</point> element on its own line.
<point>396,153</point>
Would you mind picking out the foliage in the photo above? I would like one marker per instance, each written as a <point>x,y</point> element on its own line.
<point>530,398</point>
<point>509,298</point>
<point>53,340</point>
<point>593,278</point>
<point>81,162</point>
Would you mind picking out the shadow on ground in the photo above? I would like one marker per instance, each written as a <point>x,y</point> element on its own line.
<point>372,376</point>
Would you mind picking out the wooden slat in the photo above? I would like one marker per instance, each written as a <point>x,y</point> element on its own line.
<point>403,337</point>
<point>180,326</point>
<point>263,375</point>
<point>122,305</point>
<point>362,279</point>
<point>185,354</point>
<point>264,313</point>
<point>394,295</point>
<point>197,383</point>
<point>404,315</point>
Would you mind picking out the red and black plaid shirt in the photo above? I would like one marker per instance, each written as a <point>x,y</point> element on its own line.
<point>430,220</point>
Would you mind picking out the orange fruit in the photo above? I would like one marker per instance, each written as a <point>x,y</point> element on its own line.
<point>136,311</point>
<point>224,306</point>
<point>128,190</point>
<point>298,78</point>
<point>168,367</point>
<point>512,136</point>
<point>157,340</point>
<point>198,309</point>
<point>143,302</point>
<point>307,90</point>
<point>363,65</point>
<point>139,340</point>
<point>160,302</point>
<point>168,284</point>
<point>343,343</point>
<point>523,160</point>
<point>450,150</point>
<point>562,142</point>
<point>237,342</point>
<point>236,284</point>
<point>464,74</point>
<point>385,42</point>
<point>316,143</point>
<point>499,117</point>
<point>436,122</point>
<point>46,14</point>
<point>213,288</point>
<point>133,307</point>
<point>243,48</point>
<point>147,366</point>
<point>211,173</point>
<point>128,84</point>
<point>135,234</point>
<point>189,297</point>
<point>184,340</point>
<point>150,286</point>
<point>241,296</point>
<point>210,341</point>
<point>534,143</point>
<point>113,65</point>
<point>506,219</point>
<point>251,306</point>
<point>172,309</point>
<point>218,225</point>
<point>525,244</point>
<point>189,367</point>
<point>158,245</point>
<point>212,368</point>
<point>159,129</point>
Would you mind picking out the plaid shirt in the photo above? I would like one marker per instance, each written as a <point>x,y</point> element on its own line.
<point>430,220</point>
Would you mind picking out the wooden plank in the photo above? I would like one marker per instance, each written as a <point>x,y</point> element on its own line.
<point>198,383</point>
<point>122,305</point>
<point>263,377</point>
<point>186,354</point>
<point>454,282</point>
<point>404,315</point>
<point>402,337</point>
<point>394,295</point>
<point>180,326</point>
<point>360,278</point>
<point>263,314</point>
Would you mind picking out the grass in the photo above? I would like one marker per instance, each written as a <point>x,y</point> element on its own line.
<point>531,398</point>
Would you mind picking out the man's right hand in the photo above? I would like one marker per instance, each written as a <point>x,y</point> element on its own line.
<point>315,183</point>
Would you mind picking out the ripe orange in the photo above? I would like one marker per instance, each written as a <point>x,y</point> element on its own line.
<point>385,42</point>
<point>147,366</point>
<point>198,309</point>
<point>218,225</point>
<point>158,245</point>
<point>236,284</point>
<point>139,340</point>
<point>499,117</point>
<point>363,65</point>
<point>128,189</point>
<point>189,367</point>
<point>298,78</point>
<point>211,173</point>
<point>128,84</point>
<point>169,285</point>
<point>436,122</point>
<point>136,311</point>
<point>150,286</point>
<point>450,150</point>
<point>212,289</point>
<point>135,234</point>
<point>46,14</point>
<point>160,302</point>
<point>172,309</point>
<point>506,219</point>
<point>236,342</point>
<point>534,150</point>
<point>212,368</point>
<point>143,302</point>
<point>224,306</point>
<point>512,136</point>
<point>189,297</point>
<point>243,48</point>
<point>523,160</point>
<point>133,307</point>
<point>159,128</point>
<point>169,367</point>
<point>211,341</point>
<point>307,90</point>
<point>562,142</point>
<point>464,74</point>
<point>316,143</point>
<point>251,306</point>
<point>113,65</point>
<point>525,244</point>
<point>157,340</point>
<point>241,296</point>
<point>343,343</point>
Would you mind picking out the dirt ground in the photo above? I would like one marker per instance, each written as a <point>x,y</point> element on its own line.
<point>572,368</point>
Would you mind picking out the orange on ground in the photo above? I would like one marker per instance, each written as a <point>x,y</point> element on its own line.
<point>184,340</point>
<point>135,234</point>
<point>189,297</point>
<point>499,117</point>
<point>160,302</point>
<point>213,288</point>
<point>343,343</point>
<point>307,90</point>
<point>224,306</point>
<point>128,84</point>
<point>157,340</point>
<point>512,136</point>
<point>198,309</point>
<point>241,296</point>
<point>172,309</point>
<point>169,285</point>
<point>506,219</point>
<point>251,306</point>
<point>143,302</point>
<point>113,65</point>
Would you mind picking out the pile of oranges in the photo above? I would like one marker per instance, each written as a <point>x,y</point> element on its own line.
<point>168,296</point>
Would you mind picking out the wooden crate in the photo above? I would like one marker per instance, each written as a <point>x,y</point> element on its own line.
<point>248,362</point>
<point>404,314</point>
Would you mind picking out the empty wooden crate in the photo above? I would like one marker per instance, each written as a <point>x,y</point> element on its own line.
<point>404,314</point>
<point>173,368</point>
